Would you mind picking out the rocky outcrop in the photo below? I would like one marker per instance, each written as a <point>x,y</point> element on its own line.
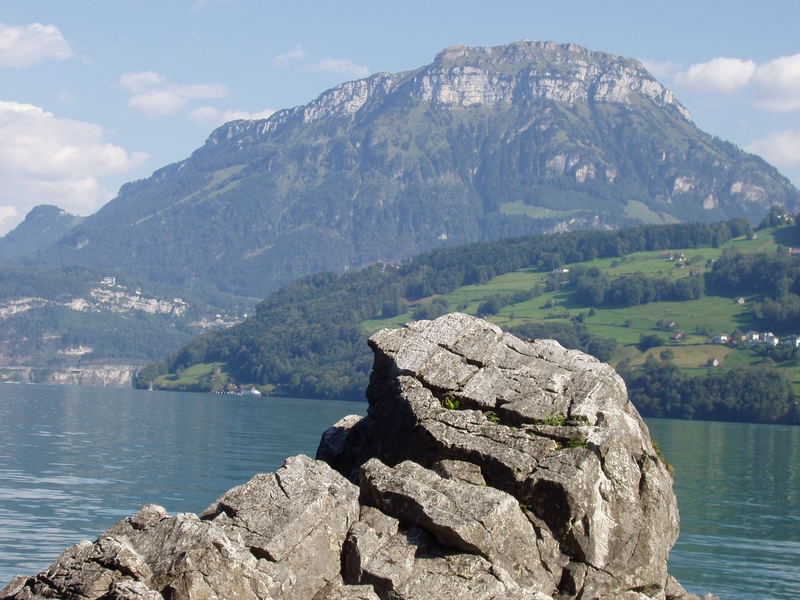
<point>94,375</point>
<point>487,467</point>
<point>472,76</point>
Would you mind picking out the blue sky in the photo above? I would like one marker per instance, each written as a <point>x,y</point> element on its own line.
<point>97,93</point>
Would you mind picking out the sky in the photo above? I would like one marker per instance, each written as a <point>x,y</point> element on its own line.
<point>95,93</point>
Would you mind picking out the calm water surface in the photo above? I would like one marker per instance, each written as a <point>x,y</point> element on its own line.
<point>73,461</point>
<point>738,488</point>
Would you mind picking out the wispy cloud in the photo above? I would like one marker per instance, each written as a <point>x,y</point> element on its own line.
<point>292,55</point>
<point>26,45</point>
<point>44,159</point>
<point>142,80</point>
<point>153,95</point>
<point>339,66</point>
<point>215,116</point>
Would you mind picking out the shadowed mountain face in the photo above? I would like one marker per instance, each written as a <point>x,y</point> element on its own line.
<point>483,143</point>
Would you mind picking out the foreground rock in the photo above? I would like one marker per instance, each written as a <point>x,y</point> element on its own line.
<point>486,468</point>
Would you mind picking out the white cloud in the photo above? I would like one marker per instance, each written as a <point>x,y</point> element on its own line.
<point>44,159</point>
<point>336,66</point>
<point>157,103</point>
<point>781,149</point>
<point>339,66</point>
<point>721,74</point>
<point>776,82</point>
<point>779,83</point>
<point>26,45</point>
<point>199,90</point>
<point>295,53</point>
<point>215,116</point>
<point>154,95</point>
<point>142,80</point>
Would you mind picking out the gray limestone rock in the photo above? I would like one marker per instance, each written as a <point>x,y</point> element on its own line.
<point>550,427</point>
<point>486,468</point>
<point>459,469</point>
<point>351,592</point>
<point>277,536</point>
<point>410,564</point>
<point>464,517</point>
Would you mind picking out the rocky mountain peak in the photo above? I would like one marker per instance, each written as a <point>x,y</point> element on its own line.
<point>43,224</point>
<point>528,70</point>
<point>520,53</point>
<point>44,212</point>
<point>473,76</point>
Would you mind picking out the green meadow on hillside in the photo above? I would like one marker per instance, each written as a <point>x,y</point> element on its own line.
<point>648,300</point>
<point>697,320</point>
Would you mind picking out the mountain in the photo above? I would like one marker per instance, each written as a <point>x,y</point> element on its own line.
<point>43,225</point>
<point>481,144</point>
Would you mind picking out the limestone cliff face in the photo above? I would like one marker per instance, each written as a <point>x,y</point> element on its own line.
<point>487,467</point>
<point>99,376</point>
<point>464,76</point>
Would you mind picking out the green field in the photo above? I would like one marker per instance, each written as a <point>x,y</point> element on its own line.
<point>191,377</point>
<point>698,320</point>
<point>535,212</point>
<point>201,377</point>
<point>639,210</point>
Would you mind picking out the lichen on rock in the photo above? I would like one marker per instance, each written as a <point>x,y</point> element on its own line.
<point>487,467</point>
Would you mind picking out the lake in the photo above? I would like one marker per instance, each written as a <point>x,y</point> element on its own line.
<point>74,460</point>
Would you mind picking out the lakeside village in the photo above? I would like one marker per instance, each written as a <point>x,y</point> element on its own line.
<point>232,389</point>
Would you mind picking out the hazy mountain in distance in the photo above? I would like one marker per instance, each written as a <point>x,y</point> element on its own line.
<point>43,225</point>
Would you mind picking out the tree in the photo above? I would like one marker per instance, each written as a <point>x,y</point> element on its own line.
<point>649,340</point>
<point>491,305</point>
<point>392,308</point>
<point>774,217</point>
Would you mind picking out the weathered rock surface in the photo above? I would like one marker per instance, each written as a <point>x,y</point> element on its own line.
<point>486,468</point>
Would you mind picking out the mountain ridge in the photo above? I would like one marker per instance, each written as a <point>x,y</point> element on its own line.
<point>481,144</point>
<point>349,97</point>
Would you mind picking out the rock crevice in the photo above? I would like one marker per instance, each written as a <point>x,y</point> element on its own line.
<point>486,468</point>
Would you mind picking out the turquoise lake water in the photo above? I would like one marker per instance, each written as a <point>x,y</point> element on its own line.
<point>73,461</point>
